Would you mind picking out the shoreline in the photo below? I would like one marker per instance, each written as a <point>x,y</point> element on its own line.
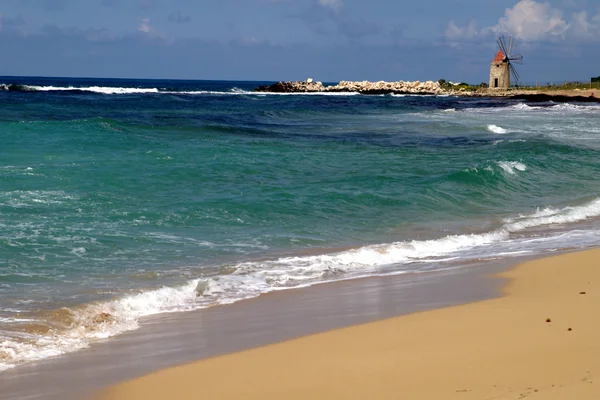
<point>168,340</point>
<point>430,88</point>
<point>538,340</point>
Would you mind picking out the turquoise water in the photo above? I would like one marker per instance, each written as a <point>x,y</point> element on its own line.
<point>120,199</point>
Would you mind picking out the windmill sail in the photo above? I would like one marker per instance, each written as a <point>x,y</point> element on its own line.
<point>507,48</point>
<point>516,58</point>
<point>514,73</point>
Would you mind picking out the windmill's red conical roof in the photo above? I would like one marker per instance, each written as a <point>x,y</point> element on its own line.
<point>499,57</point>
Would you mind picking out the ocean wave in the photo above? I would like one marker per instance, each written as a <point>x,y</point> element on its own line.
<point>496,129</point>
<point>238,92</point>
<point>34,198</point>
<point>76,328</point>
<point>576,107</point>
<point>554,216</point>
<point>233,92</point>
<point>523,106</point>
<point>335,94</point>
<point>94,89</point>
<point>545,108</point>
<point>520,107</point>
<point>131,90</point>
<point>92,322</point>
<point>489,172</point>
<point>13,87</point>
<point>511,167</point>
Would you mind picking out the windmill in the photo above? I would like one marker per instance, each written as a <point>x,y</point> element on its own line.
<point>502,67</point>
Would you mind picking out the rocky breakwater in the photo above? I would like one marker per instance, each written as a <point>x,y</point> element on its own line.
<point>308,86</point>
<point>364,87</point>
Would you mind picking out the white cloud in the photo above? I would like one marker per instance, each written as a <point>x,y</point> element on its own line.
<point>145,26</point>
<point>247,41</point>
<point>584,26</point>
<point>529,21</point>
<point>580,24</point>
<point>455,32</point>
<point>100,35</point>
<point>336,5</point>
<point>147,29</point>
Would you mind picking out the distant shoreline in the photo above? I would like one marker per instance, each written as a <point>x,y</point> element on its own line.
<point>558,96</point>
<point>431,88</point>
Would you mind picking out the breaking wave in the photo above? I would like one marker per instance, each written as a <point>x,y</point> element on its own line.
<point>511,167</point>
<point>132,90</point>
<point>71,329</point>
<point>496,129</point>
<point>537,107</point>
<point>93,89</point>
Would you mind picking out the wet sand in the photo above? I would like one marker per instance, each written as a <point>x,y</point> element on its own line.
<point>173,339</point>
<point>539,341</point>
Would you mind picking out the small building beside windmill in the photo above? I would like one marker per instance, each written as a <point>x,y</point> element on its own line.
<point>500,72</point>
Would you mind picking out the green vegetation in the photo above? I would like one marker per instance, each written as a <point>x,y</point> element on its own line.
<point>462,86</point>
<point>594,84</point>
<point>564,86</point>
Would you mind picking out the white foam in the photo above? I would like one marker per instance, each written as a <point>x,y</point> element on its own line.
<point>496,129</point>
<point>14,352</point>
<point>576,107</point>
<point>239,92</point>
<point>548,109</point>
<point>511,166</point>
<point>553,216</point>
<point>98,321</point>
<point>78,251</point>
<point>21,198</point>
<point>523,106</point>
<point>95,89</point>
<point>15,320</point>
<point>316,94</point>
<point>250,279</point>
<point>212,92</point>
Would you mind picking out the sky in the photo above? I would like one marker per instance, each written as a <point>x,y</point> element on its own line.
<point>270,40</point>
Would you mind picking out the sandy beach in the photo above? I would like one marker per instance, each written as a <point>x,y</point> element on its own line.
<point>539,341</point>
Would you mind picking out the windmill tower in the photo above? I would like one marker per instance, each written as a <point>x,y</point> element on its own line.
<point>502,67</point>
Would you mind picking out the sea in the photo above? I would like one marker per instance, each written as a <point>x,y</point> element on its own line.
<point>123,198</point>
